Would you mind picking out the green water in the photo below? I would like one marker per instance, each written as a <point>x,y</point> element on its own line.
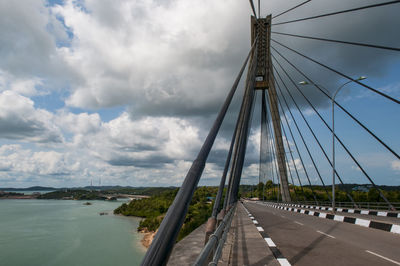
<point>66,232</point>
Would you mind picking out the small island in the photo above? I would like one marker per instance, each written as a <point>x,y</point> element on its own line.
<point>74,194</point>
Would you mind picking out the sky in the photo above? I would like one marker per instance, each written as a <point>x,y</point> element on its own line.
<point>124,93</point>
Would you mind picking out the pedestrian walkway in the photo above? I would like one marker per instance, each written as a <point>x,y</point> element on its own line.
<point>245,246</point>
<point>185,252</point>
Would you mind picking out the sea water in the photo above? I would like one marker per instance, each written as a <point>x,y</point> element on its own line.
<point>67,232</point>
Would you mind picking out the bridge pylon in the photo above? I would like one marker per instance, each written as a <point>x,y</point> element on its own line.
<point>264,80</point>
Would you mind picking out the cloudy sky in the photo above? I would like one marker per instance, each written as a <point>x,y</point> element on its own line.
<point>125,91</point>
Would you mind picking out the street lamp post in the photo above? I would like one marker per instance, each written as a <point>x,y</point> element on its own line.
<point>333,129</point>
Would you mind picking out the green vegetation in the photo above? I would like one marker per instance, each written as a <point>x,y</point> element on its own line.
<point>369,195</point>
<point>148,191</point>
<point>8,194</point>
<point>73,194</point>
<point>154,209</point>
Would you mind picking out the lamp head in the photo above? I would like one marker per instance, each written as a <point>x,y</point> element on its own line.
<point>303,82</point>
<point>362,77</point>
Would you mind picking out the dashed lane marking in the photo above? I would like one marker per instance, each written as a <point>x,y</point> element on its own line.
<point>325,234</point>
<point>269,242</point>
<point>383,257</point>
<point>284,262</point>
<point>274,249</point>
<point>298,223</point>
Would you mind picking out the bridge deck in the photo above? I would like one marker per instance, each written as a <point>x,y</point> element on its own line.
<point>308,240</point>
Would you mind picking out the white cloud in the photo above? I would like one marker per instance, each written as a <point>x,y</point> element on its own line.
<point>162,59</point>
<point>395,165</point>
<point>35,163</point>
<point>165,61</point>
<point>19,119</point>
<point>145,142</point>
<point>28,36</point>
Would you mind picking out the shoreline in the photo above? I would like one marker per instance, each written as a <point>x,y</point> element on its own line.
<point>147,238</point>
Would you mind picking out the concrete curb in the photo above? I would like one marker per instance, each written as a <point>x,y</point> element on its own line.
<point>357,211</point>
<point>388,227</point>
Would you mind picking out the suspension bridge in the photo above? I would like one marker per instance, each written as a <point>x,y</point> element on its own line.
<point>292,152</point>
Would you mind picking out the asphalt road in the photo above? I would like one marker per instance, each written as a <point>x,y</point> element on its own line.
<point>307,240</point>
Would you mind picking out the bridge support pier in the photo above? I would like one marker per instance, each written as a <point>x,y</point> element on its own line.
<point>265,81</point>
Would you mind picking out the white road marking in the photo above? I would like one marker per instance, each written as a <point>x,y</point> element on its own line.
<point>325,234</point>
<point>269,242</point>
<point>380,256</point>
<point>260,229</point>
<point>282,216</point>
<point>298,223</point>
<point>284,262</point>
<point>255,222</point>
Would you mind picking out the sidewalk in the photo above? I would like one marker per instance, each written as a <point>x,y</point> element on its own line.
<point>244,245</point>
<point>185,252</point>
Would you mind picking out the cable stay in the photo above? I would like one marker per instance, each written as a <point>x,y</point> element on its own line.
<point>264,134</point>
<point>270,148</point>
<point>301,135</point>
<point>291,177</point>
<point>308,125</point>
<point>164,240</point>
<point>290,9</point>
<point>297,148</point>
<point>252,8</point>
<point>340,106</point>
<point>294,163</point>
<point>342,144</point>
<point>339,73</point>
<point>338,41</point>
<point>339,12</point>
<point>275,163</point>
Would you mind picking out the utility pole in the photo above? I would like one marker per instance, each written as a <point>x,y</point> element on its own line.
<point>261,27</point>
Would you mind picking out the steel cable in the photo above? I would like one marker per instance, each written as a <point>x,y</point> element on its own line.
<point>338,12</point>
<point>338,41</point>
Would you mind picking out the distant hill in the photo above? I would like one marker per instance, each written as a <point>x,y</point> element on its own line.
<point>38,188</point>
<point>105,189</point>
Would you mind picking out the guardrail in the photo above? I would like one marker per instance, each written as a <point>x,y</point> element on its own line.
<point>218,237</point>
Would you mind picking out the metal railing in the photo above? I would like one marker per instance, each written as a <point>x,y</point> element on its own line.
<point>218,237</point>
